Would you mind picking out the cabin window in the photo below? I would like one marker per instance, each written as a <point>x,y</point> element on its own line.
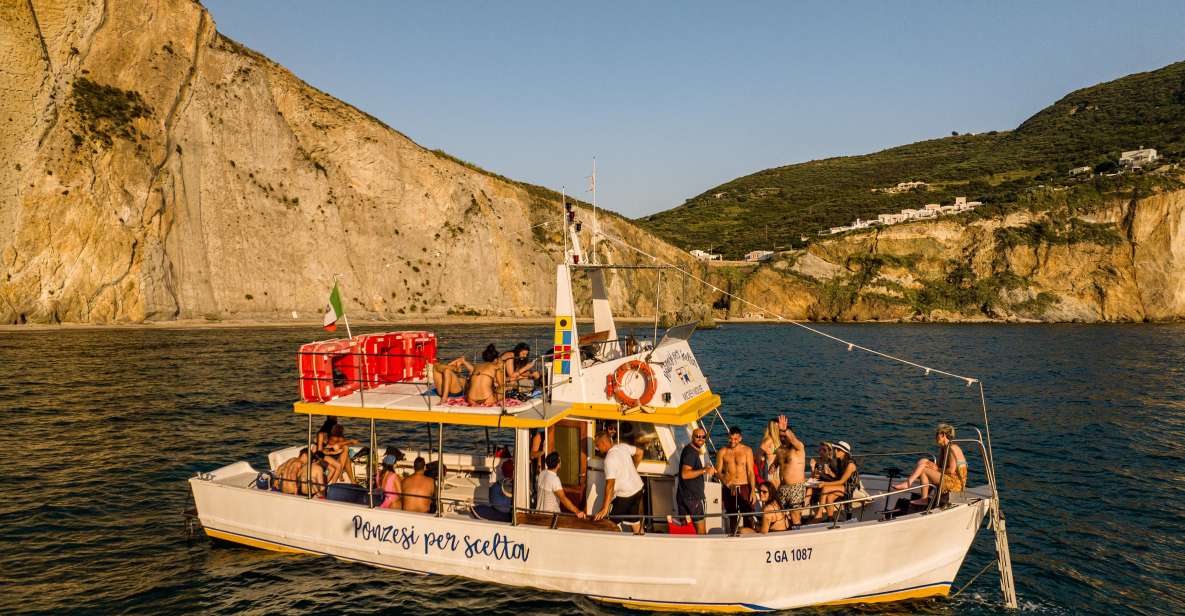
<point>567,443</point>
<point>642,434</point>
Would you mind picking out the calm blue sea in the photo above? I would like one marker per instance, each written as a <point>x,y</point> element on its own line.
<point>105,426</point>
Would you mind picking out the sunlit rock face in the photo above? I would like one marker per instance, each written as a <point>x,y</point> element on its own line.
<point>152,169</point>
<point>1122,262</point>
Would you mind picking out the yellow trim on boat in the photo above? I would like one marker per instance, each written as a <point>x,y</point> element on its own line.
<point>937,590</point>
<point>255,543</point>
<point>657,606</point>
<point>678,415</point>
<point>674,415</point>
<point>648,606</point>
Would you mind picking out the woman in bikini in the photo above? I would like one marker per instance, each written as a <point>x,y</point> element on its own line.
<point>487,380</point>
<point>772,520</point>
<point>337,452</point>
<point>448,379</point>
<point>952,477</point>
<point>766,464</point>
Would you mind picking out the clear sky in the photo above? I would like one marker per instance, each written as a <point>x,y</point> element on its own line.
<point>673,98</point>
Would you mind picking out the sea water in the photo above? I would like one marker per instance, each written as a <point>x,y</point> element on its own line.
<point>105,426</point>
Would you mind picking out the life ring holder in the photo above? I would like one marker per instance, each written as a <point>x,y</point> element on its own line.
<point>614,389</point>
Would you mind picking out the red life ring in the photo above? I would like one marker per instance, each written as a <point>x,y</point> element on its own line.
<point>614,387</point>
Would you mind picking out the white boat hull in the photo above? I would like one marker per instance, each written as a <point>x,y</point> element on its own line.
<point>913,556</point>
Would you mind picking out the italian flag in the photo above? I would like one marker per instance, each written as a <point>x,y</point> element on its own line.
<point>333,311</point>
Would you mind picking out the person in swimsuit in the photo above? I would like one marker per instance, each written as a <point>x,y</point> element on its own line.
<point>448,379</point>
<point>487,380</point>
<point>318,476</point>
<point>521,375</point>
<point>772,520</point>
<point>321,441</point>
<point>791,462</point>
<point>289,472</point>
<point>767,462</point>
<point>952,477</point>
<point>337,450</point>
<point>734,464</point>
<point>419,490</point>
<point>391,482</point>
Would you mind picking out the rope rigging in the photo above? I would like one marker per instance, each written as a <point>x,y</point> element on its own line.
<point>851,345</point>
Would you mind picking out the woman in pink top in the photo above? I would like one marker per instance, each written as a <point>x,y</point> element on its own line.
<point>390,481</point>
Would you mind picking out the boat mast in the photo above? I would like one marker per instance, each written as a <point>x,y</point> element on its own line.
<point>595,229</point>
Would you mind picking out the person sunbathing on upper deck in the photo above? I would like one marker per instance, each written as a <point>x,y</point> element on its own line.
<point>953,477</point>
<point>487,380</point>
<point>521,374</point>
<point>419,490</point>
<point>448,379</point>
<point>290,471</point>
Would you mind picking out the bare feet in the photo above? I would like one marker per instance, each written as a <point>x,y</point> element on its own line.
<point>901,485</point>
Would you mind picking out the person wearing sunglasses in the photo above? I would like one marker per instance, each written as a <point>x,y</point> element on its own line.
<point>772,518</point>
<point>689,495</point>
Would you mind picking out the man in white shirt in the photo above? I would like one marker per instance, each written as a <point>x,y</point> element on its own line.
<point>551,490</point>
<point>623,485</point>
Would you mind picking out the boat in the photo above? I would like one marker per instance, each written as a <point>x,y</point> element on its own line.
<point>654,391</point>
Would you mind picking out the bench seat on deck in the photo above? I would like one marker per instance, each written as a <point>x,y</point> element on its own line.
<point>566,521</point>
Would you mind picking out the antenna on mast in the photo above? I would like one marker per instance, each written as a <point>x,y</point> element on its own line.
<point>592,186</point>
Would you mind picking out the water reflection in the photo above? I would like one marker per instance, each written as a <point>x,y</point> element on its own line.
<point>105,426</point>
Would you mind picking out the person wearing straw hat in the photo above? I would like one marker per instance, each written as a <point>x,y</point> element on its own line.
<point>845,477</point>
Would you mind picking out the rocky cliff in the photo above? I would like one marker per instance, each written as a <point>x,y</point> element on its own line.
<point>1122,259</point>
<point>153,169</point>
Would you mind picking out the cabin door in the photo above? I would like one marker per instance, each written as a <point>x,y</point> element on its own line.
<point>569,438</point>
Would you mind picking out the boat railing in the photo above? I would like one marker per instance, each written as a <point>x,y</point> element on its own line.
<point>378,493</point>
<point>835,521</point>
<point>840,509</point>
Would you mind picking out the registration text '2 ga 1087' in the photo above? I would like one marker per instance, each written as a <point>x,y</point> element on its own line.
<point>786,556</point>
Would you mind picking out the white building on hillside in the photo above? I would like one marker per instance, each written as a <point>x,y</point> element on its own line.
<point>759,255</point>
<point>705,256</point>
<point>1080,170</point>
<point>1134,159</point>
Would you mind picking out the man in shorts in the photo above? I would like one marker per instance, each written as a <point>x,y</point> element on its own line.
<point>689,495</point>
<point>623,484</point>
<point>791,460</point>
<point>736,468</point>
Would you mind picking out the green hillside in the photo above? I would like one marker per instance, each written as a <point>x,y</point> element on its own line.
<point>773,208</point>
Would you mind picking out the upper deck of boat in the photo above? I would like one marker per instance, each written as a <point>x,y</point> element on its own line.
<point>417,402</point>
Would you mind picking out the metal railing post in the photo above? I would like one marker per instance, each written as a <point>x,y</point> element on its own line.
<point>309,461</point>
<point>370,467</point>
<point>439,467</point>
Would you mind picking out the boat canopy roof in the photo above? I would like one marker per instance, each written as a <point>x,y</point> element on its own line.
<point>416,408</point>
